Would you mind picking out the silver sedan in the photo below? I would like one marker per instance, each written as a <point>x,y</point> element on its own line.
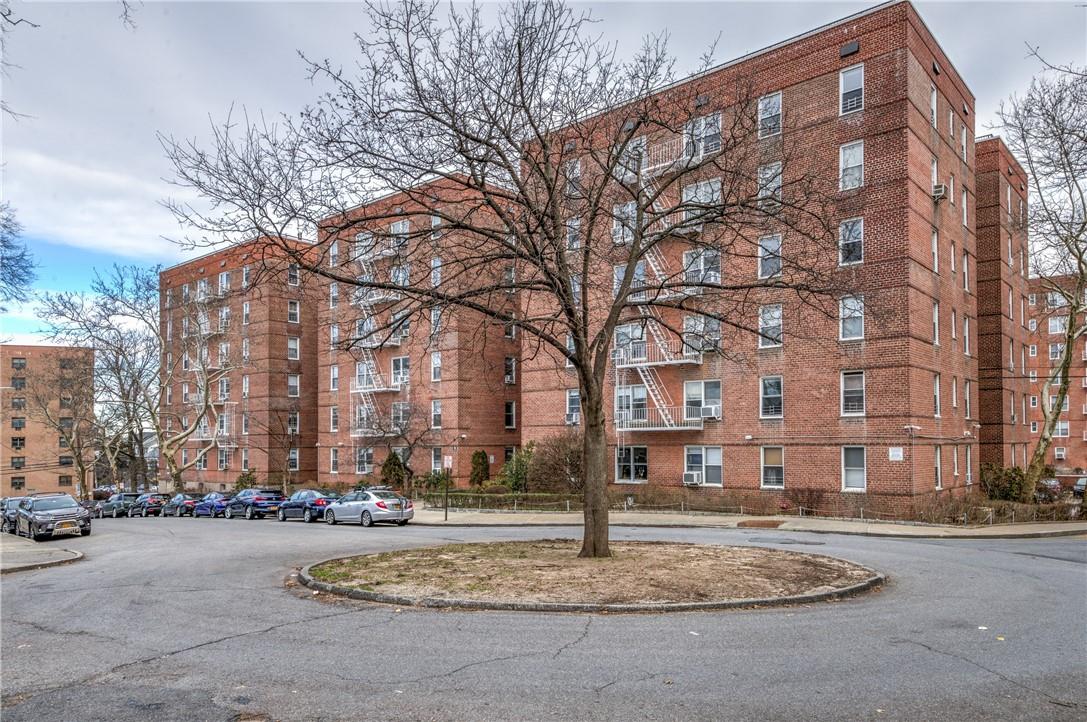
<point>370,507</point>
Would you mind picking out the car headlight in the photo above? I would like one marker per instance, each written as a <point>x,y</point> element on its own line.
<point>40,517</point>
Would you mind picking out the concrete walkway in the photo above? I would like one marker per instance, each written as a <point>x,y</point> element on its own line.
<point>18,554</point>
<point>435,517</point>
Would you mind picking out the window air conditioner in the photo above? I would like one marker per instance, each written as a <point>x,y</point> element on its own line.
<point>692,478</point>
<point>711,412</point>
<point>939,192</point>
<point>573,419</point>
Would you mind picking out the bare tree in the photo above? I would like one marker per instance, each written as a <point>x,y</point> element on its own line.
<point>561,177</point>
<point>16,263</point>
<point>406,425</point>
<point>60,395</point>
<point>1047,130</point>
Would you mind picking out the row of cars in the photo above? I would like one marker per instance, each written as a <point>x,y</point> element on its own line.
<point>366,506</point>
<point>43,516</point>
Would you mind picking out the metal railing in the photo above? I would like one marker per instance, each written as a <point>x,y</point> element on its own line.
<point>653,353</point>
<point>668,418</point>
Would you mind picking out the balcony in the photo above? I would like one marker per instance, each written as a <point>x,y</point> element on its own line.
<point>650,353</point>
<point>669,418</point>
<point>377,340</point>
<point>363,385</point>
<point>366,430</point>
<point>372,296</point>
<point>672,154</point>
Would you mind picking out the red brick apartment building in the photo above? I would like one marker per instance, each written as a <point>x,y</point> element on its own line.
<point>1004,336</point>
<point>395,375</point>
<point>887,406</point>
<point>39,386</point>
<point>1048,316</point>
<point>246,318</point>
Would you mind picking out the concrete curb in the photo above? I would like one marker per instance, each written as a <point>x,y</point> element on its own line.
<point>78,556</point>
<point>305,578</point>
<point>889,535</point>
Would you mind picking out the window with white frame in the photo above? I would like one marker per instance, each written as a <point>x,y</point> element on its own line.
<point>436,414</point>
<point>770,256</point>
<point>638,280</point>
<point>700,199</point>
<point>245,459</point>
<point>435,365</point>
<point>573,234</point>
<point>1061,428</point>
<point>293,385</point>
<point>769,115</point>
<point>702,399</point>
<point>852,393</point>
<point>851,89</point>
<point>937,466</point>
<point>364,460</point>
<point>333,294</point>
<point>965,215</point>
<point>334,461</point>
<point>1034,427</point>
<point>292,311</point>
<point>773,467</point>
<point>292,422</point>
<point>702,265</point>
<point>509,370</point>
<point>935,323</point>
<point>435,271</point>
<point>631,464</point>
<point>333,378</point>
<point>435,320</point>
<point>935,251</point>
<point>854,468</point>
<point>1056,350</point>
<point>769,191</point>
<point>224,319</point>
<point>292,274</point>
<point>966,335</point>
<point>955,460</point>
<point>401,414</point>
<point>1058,324</point>
<point>245,313</point>
<point>932,105</point>
<point>333,418</point>
<point>245,423</point>
<point>624,216</point>
<point>293,348</point>
<point>967,397</point>
<point>706,462</point>
<point>851,165</point>
<point>292,460</point>
<point>851,316</point>
<point>436,458</point>
<point>334,253</point>
<point>573,406</point>
<point>936,395</point>
<point>631,403</point>
<point>770,326</point>
<point>771,397</point>
<point>700,333</point>
<point>965,271</point>
<point>954,392</point>
<point>851,241</point>
<point>573,176</point>
<point>509,415</point>
<point>401,370</point>
<point>224,390</point>
<point>1060,453</point>
<point>334,335</point>
<point>703,135</point>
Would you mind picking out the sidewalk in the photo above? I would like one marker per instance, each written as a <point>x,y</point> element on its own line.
<point>18,554</point>
<point>435,517</point>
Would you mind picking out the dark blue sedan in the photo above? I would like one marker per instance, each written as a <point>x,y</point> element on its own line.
<point>305,504</point>
<point>212,505</point>
<point>253,503</point>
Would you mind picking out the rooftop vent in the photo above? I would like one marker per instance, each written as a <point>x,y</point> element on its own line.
<point>849,49</point>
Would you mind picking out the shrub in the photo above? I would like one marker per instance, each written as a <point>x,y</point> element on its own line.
<point>436,480</point>
<point>393,471</point>
<point>245,480</point>
<point>495,489</point>
<point>481,468</point>
<point>1004,484</point>
<point>514,474</point>
<point>556,464</point>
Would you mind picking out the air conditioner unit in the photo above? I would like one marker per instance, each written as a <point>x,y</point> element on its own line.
<point>711,412</point>
<point>692,478</point>
<point>939,192</point>
<point>573,419</point>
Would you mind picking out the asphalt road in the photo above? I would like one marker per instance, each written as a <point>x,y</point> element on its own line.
<point>191,620</point>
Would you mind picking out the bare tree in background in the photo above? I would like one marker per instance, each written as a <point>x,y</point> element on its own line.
<point>559,175</point>
<point>1046,129</point>
<point>16,263</point>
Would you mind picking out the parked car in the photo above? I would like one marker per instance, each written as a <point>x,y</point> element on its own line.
<point>1079,486</point>
<point>1047,490</point>
<point>117,505</point>
<point>368,506</point>
<point>254,503</point>
<point>8,512</point>
<point>305,504</point>
<point>180,505</point>
<point>148,505</point>
<point>212,505</point>
<point>42,516</point>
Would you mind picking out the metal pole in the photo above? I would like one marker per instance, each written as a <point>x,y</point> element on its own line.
<point>445,498</point>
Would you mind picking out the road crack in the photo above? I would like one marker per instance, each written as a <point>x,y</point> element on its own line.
<point>574,643</point>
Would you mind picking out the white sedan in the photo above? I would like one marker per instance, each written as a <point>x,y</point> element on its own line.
<point>368,507</point>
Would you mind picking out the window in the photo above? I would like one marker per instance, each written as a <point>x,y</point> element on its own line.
<point>202,289</point>
<point>18,443</point>
<point>333,294</point>
<point>637,282</point>
<point>245,277</point>
<point>293,353</point>
<point>334,418</point>
<point>334,461</point>
<point>1055,299</point>
<point>18,422</point>
<point>954,392</point>
<point>64,480</point>
<point>435,271</point>
<point>703,135</point>
<point>955,459</point>
<point>333,378</point>
<point>770,333</point>
<point>245,386</point>
<point>854,470</point>
<point>769,192</point>
<point>436,458</point>
<point>965,271</point>
<point>852,393</point>
<point>1058,324</point>
<point>293,383</point>
<point>631,464</point>
<point>966,335</point>
<point>334,335</point>
<point>401,324</point>
<point>436,414</point>
<point>435,320</point>
<point>851,318</point>
<point>573,406</point>
<point>18,383</point>
<point>364,460</point>
<point>573,176</point>
<point>769,115</point>
<point>964,214</point>
<point>935,171</point>
<point>435,227</point>
<point>700,333</point>
<point>292,274</point>
<point>706,462</point>
<point>969,466</point>
<point>1034,427</point>
<point>699,199</point>
<point>292,311</point>
<point>1061,429</point>
<point>851,89</point>
<point>18,364</point>
<point>245,313</point>
<point>1056,350</point>
<point>967,395</point>
<point>19,402</point>
<point>770,397</point>
<point>1053,402</point>
<point>935,323</point>
<point>702,398</point>
<point>962,142</point>
<point>401,414</point>
<point>851,241</point>
<point>851,165</point>
<point>509,330</point>
<point>1060,453</point>
<point>510,414</point>
<point>224,283</point>
<point>436,366</point>
<point>401,369</point>
<point>769,256</point>
<point>936,395</point>
<point>1032,299</point>
<point>702,265</point>
<point>334,253</point>
<point>224,389</point>
<point>932,105</point>
<point>937,464</point>
<point>935,251</point>
<point>18,462</point>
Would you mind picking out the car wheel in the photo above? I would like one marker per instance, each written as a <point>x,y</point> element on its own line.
<point>84,532</point>
<point>178,512</point>
<point>282,515</point>
<point>307,516</point>
<point>228,514</point>
<point>249,513</point>
<point>402,522</point>
<point>330,518</point>
<point>366,519</point>
<point>116,514</point>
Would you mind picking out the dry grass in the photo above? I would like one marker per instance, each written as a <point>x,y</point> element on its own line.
<point>550,571</point>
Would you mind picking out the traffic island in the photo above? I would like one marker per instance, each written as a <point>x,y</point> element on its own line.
<point>548,576</point>
<point>20,555</point>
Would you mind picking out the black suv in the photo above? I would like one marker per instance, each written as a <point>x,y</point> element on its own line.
<point>42,516</point>
<point>117,505</point>
<point>8,511</point>
<point>148,505</point>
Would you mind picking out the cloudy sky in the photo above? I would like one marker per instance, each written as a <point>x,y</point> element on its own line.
<point>85,171</point>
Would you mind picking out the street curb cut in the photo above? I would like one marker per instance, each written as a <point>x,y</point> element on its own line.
<point>44,565</point>
<point>885,535</point>
<point>305,578</point>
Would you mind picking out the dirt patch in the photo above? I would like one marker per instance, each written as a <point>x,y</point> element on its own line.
<point>550,571</point>
<point>759,524</point>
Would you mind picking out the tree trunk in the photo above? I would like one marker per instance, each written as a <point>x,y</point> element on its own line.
<point>1051,414</point>
<point>178,484</point>
<point>595,470</point>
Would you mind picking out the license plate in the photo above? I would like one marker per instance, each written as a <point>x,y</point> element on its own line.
<point>65,525</point>
<point>273,508</point>
<point>394,505</point>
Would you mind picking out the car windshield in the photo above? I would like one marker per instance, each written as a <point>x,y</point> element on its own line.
<point>12,503</point>
<point>131,496</point>
<point>384,495</point>
<point>266,492</point>
<point>60,502</point>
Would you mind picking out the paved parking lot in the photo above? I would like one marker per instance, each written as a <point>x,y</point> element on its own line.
<point>190,619</point>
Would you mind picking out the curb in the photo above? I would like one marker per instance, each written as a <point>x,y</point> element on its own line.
<point>306,579</point>
<point>44,565</point>
<point>888,535</point>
